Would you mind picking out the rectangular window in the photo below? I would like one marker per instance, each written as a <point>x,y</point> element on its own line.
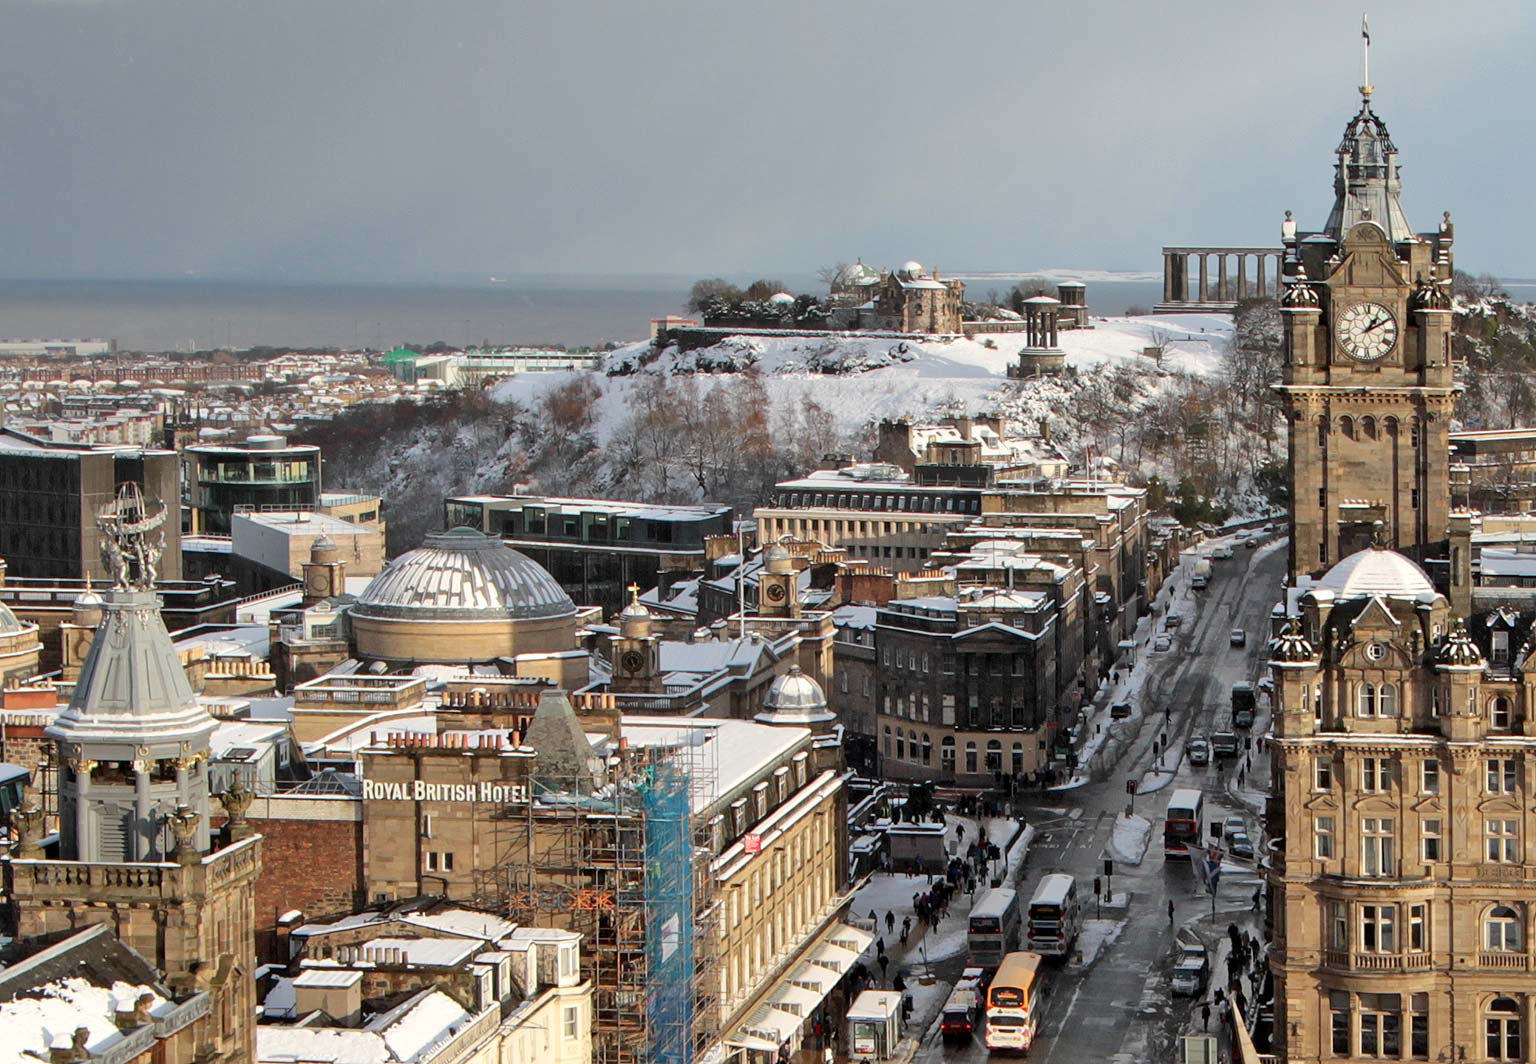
<point>1429,777</point>
<point>1500,775</point>
<point>1418,931</point>
<point>1338,1004</point>
<point>1322,835</point>
<point>1322,496</point>
<point>1378,928</point>
<point>1503,841</point>
<point>1322,774</point>
<point>1419,1027</point>
<point>572,1021</point>
<point>1339,919</point>
<point>1430,834</point>
<point>1500,647</point>
<point>1378,854</point>
<point>1375,775</point>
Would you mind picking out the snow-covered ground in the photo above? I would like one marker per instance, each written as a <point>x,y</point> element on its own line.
<point>1128,842</point>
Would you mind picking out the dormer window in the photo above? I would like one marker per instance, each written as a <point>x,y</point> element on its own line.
<point>1499,714</point>
<point>1500,647</point>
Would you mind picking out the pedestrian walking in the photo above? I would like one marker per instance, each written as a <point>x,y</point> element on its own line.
<point>885,963</point>
<point>1170,912</point>
<point>890,921</point>
<point>1257,897</point>
<point>1242,774</point>
<point>899,984</point>
<point>1205,1015</point>
<point>879,947</point>
<point>906,925</point>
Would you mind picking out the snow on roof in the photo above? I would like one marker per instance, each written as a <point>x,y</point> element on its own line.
<point>235,733</point>
<point>304,523</point>
<point>430,952</point>
<point>710,656</point>
<point>1496,561</point>
<point>1375,571</point>
<point>854,616</point>
<point>465,922</point>
<point>327,977</point>
<point>29,1025</point>
<point>740,749</point>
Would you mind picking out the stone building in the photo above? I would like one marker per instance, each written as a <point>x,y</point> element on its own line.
<point>909,300</point>
<point>135,848</point>
<point>1400,871</point>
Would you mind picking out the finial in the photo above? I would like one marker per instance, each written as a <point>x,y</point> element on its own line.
<point>1379,536</point>
<point>1365,61</point>
<point>634,592</point>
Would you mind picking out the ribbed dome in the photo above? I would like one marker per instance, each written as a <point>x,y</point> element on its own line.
<point>9,623</point>
<point>463,574</point>
<point>1376,571</point>
<point>795,698</point>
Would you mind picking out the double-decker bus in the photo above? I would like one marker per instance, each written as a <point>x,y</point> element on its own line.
<point>994,928</point>
<point>1013,1002</point>
<point>1055,916</point>
<point>1181,829</point>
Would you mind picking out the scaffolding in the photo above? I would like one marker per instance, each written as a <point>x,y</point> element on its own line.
<point>625,860</point>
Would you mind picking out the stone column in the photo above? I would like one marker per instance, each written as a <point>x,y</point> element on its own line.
<point>1180,278</point>
<point>1167,277</point>
<point>1259,267</point>
<point>1242,277</point>
<point>1222,293</point>
<point>1205,282</point>
<point>83,842</point>
<point>144,828</point>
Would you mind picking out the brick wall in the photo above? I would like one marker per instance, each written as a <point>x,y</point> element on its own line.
<point>312,861</point>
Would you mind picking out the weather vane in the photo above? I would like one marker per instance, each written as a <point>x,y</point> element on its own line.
<point>128,552</point>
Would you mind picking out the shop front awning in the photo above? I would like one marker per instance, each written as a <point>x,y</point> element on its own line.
<point>796,996</point>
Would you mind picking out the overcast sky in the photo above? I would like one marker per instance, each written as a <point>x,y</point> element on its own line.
<point>447,139</point>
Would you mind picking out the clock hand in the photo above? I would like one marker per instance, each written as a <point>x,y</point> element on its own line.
<point>1378,323</point>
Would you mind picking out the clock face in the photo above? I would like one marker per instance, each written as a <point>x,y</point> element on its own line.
<point>1367,332</point>
<point>775,593</point>
<point>632,661</point>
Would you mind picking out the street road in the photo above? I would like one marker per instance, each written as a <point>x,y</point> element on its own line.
<point>1119,1008</point>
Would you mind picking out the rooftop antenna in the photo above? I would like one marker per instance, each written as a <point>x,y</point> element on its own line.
<point>1365,59</point>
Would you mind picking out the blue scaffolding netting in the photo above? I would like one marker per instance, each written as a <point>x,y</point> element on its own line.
<point>669,947</point>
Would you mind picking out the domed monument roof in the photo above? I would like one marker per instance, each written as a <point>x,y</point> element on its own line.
<point>463,574</point>
<point>795,698</point>
<point>857,274</point>
<point>10,624</point>
<point>912,270</point>
<point>1376,571</point>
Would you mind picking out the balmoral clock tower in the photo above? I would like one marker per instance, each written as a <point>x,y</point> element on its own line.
<point>1367,387</point>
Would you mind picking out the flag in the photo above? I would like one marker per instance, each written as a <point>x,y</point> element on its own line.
<point>1365,29</point>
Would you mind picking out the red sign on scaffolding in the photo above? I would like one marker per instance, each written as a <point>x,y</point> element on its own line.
<point>752,842</point>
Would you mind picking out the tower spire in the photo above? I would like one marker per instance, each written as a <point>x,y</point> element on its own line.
<point>1365,59</point>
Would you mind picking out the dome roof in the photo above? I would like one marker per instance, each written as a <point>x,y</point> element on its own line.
<point>912,270</point>
<point>9,623</point>
<point>857,274</point>
<point>781,299</point>
<point>795,698</point>
<point>1376,571</point>
<point>463,574</point>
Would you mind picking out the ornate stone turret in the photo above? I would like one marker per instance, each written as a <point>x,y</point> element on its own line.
<point>778,585</point>
<point>636,652</point>
<point>134,740</point>
<point>325,574</point>
<point>795,699</point>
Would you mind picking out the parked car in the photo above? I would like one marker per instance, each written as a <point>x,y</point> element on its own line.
<point>1252,541</point>
<point>1199,751</point>
<point>1119,711</point>
<point>1173,622</point>
<point>1190,970</point>
<point>1222,550</point>
<point>1225,744</point>
<point>1239,637</point>
<point>1242,718</point>
<point>1162,643</point>
<point>1240,845</point>
<point>1233,824</point>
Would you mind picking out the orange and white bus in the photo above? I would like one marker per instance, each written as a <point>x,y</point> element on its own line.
<point>1013,1002</point>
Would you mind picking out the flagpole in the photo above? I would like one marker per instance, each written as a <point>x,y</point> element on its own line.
<point>1365,57</point>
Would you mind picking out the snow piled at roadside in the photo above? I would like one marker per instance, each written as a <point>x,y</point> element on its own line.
<point>1128,842</point>
<point>1097,936</point>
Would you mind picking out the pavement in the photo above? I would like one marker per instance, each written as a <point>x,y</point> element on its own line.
<point>1112,1002</point>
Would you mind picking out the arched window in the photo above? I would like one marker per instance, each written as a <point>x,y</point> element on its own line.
<point>887,740</point>
<point>912,744</point>
<point>994,756</point>
<point>1322,430</point>
<point>1501,1029</point>
<point>1347,427</point>
<point>901,746</point>
<point>1500,713</point>
<point>1018,758</point>
<point>1365,700</point>
<point>1386,700</point>
<point>970,757</point>
<point>947,754</point>
<point>1501,931</point>
<point>1390,425</point>
<point>927,749</point>
<point>1368,427</point>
